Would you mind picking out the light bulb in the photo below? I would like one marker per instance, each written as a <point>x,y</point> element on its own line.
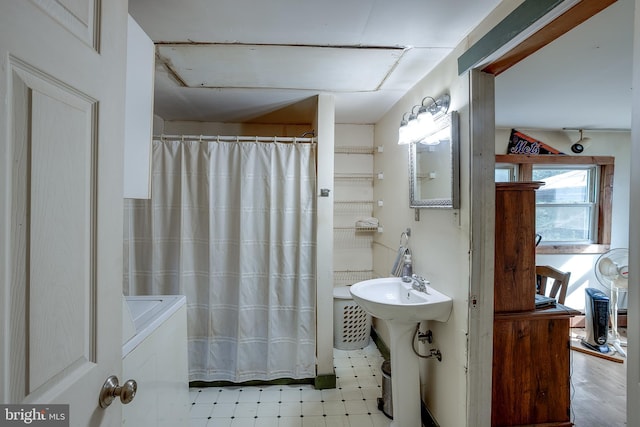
<point>403,135</point>
<point>425,119</point>
<point>413,129</point>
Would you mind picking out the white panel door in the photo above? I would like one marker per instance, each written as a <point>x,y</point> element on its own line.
<point>62,71</point>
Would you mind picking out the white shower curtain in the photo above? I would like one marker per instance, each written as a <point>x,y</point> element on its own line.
<point>231,225</point>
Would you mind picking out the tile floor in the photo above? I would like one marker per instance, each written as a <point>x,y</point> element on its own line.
<point>353,403</point>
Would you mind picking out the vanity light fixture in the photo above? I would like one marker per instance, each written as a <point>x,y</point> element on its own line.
<point>409,128</point>
<point>428,114</point>
<point>440,131</point>
<point>422,123</point>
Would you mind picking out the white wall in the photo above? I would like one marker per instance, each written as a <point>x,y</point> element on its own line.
<point>617,144</point>
<point>158,125</point>
<point>439,242</point>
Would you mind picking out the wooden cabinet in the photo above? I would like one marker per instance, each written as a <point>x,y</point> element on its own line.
<point>515,248</point>
<point>531,366</point>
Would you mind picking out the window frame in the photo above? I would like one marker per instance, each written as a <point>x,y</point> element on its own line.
<point>605,169</point>
<point>591,202</point>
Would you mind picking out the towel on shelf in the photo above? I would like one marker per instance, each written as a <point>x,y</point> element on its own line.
<point>367,222</point>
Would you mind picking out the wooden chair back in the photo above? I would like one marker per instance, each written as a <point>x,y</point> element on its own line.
<point>560,282</point>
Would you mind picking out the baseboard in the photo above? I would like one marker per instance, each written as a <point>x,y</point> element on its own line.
<point>320,382</point>
<point>281,381</point>
<point>427,418</point>
<point>323,382</point>
<point>382,347</point>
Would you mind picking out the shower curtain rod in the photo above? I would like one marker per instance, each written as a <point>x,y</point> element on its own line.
<point>220,138</point>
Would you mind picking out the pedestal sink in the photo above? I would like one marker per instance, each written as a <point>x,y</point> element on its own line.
<point>402,308</point>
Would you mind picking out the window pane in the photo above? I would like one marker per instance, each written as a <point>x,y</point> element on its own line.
<point>503,174</point>
<point>563,185</point>
<point>563,223</point>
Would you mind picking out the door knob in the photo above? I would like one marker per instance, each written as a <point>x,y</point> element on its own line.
<point>111,389</point>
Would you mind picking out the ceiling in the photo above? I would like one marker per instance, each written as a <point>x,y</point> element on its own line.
<point>252,61</point>
<point>236,61</point>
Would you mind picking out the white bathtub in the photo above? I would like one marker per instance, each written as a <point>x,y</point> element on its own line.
<point>154,353</point>
<point>146,314</point>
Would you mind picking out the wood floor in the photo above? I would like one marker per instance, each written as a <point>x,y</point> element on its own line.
<point>598,391</point>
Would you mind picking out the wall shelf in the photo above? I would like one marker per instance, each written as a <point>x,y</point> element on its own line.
<point>353,202</point>
<point>353,176</point>
<point>378,229</point>
<point>346,149</point>
<point>354,180</point>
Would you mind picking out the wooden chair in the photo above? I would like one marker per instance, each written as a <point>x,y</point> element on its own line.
<point>560,282</point>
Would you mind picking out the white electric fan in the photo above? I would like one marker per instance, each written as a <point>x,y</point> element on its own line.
<point>612,271</point>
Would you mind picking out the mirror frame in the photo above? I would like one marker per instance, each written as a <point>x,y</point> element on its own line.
<point>453,201</point>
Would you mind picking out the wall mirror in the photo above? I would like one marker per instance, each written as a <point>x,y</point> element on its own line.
<point>434,174</point>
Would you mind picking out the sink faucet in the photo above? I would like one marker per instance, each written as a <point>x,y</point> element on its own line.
<point>418,283</point>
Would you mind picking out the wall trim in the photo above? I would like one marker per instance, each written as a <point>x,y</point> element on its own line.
<point>482,230</point>
<point>531,26</point>
<point>512,26</point>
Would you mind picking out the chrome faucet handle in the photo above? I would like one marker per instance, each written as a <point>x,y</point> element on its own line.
<point>419,278</point>
<point>419,283</point>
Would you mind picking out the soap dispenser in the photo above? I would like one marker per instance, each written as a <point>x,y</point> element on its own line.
<point>407,269</point>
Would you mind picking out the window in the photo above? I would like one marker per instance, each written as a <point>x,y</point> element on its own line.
<point>566,209</point>
<point>505,173</point>
<point>573,207</point>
